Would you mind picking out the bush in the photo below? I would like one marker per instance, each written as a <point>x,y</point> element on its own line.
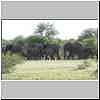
<point>85,64</point>
<point>9,61</point>
<point>36,39</point>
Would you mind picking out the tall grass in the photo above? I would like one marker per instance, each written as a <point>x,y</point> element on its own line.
<point>9,61</point>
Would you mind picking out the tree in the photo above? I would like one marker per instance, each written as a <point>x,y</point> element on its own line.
<point>50,31</point>
<point>36,39</point>
<point>46,29</point>
<point>88,33</point>
<point>40,28</point>
<point>89,38</point>
<point>18,40</point>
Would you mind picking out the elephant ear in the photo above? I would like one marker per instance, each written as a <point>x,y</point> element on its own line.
<point>68,46</point>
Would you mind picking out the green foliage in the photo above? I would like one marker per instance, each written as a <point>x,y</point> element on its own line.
<point>89,38</point>
<point>43,39</point>
<point>46,29</point>
<point>54,41</point>
<point>88,33</point>
<point>18,40</point>
<point>36,39</point>
<point>91,42</point>
<point>9,61</point>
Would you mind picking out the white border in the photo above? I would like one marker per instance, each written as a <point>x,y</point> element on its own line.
<point>69,80</point>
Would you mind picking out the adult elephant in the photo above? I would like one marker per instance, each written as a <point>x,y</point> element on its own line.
<point>72,50</point>
<point>38,50</point>
<point>77,50</point>
<point>12,48</point>
<point>33,51</point>
<point>30,51</point>
<point>16,48</point>
<point>87,52</point>
<point>51,51</point>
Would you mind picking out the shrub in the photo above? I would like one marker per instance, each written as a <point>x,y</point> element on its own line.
<point>85,64</point>
<point>9,61</point>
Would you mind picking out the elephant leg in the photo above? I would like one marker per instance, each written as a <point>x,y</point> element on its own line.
<point>46,57</point>
<point>69,56</point>
<point>58,57</point>
<point>52,57</point>
<point>64,54</point>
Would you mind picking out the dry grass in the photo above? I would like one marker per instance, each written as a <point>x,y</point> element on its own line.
<point>53,70</point>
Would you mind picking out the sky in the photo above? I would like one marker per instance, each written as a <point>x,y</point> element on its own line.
<point>67,29</point>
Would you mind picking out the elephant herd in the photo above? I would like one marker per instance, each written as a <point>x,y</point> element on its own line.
<point>50,51</point>
<point>77,50</point>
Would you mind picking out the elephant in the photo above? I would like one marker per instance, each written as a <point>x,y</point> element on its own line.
<point>51,51</point>
<point>37,50</point>
<point>27,51</point>
<point>6,48</point>
<point>72,50</point>
<point>33,51</point>
<point>30,51</point>
<point>14,48</point>
<point>87,52</point>
<point>41,51</point>
<point>76,49</point>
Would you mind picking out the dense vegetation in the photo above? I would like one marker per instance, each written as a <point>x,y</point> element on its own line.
<point>8,62</point>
